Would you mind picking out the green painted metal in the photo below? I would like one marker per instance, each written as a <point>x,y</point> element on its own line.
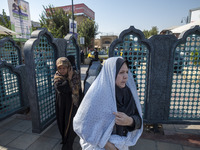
<point>137,55</point>
<point>10,97</point>
<point>45,69</point>
<point>71,50</point>
<point>185,92</point>
<point>9,53</point>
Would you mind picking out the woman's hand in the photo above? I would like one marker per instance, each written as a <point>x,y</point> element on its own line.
<point>110,146</point>
<point>122,119</point>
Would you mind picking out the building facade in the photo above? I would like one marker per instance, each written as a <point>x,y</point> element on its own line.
<point>104,41</point>
<point>81,11</point>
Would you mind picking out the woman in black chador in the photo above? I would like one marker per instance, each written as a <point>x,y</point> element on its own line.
<point>67,100</point>
<point>110,116</point>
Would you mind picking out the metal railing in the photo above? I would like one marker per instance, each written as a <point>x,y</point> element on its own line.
<point>167,73</point>
<point>13,95</point>
<point>32,84</point>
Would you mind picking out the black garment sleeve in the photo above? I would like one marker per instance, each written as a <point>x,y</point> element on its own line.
<point>62,86</point>
<point>137,122</point>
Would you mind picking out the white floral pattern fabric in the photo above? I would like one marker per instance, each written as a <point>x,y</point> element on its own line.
<point>94,120</point>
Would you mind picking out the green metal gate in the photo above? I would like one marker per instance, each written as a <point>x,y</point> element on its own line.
<point>135,50</point>
<point>11,86</point>
<point>10,97</point>
<point>185,92</point>
<point>167,73</point>
<point>44,57</point>
<point>41,54</point>
<point>73,49</point>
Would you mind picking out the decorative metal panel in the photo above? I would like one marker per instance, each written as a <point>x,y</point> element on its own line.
<point>137,55</point>
<point>45,69</point>
<point>73,49</point>
<point>185,93</point>
<point>9,53</point>
<point>10,97</point>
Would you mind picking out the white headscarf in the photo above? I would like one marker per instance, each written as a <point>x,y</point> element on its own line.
<point>94,120</point>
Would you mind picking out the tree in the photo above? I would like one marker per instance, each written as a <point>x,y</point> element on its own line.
<point>153,31</point>
<point>87,29</point>
<point>35,28</point>
<point>56,20</point>
<point>5,21</point>
<point>146,33</point>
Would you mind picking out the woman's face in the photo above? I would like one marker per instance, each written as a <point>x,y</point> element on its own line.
<point>62,69</point>
<point>122,76</point>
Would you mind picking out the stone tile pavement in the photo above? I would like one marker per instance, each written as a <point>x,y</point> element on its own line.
<point>16,134</point>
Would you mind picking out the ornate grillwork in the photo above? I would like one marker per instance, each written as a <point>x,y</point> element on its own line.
<point>45,69</point>
<point>137,55</point>
<point>185,93</point>
<point>10,97</point>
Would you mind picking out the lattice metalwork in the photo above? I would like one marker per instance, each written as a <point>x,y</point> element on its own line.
<point>9,53</point>
<point>10,97</point>
<point>137,55</point>
<point>45,69</point>
<point>185,93</point>
<point>71,50</point>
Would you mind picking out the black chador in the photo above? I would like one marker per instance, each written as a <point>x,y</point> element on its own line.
<point>65,111</point>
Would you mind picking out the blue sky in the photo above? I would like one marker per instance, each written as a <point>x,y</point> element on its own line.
<point>114,16</point>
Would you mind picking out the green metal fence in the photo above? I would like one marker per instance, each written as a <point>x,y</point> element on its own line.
<point>41,52</point>
<point>136,52</point>
<point>44,59</point>
<point>73,49</point>
<point>185,92</point>
<point>10,52</point>
<point>10,97</point>
<point>167,73</point>
<point>40,57</point>
<point>11,88</point>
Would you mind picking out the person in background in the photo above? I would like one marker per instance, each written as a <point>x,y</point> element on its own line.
<point>66,101</point>
<point>110,116</point>
<point>96,55</point>
<point>15,5</point>
<point>82,56</point>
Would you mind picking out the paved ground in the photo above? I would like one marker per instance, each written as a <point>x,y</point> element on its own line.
<point>16,134</point>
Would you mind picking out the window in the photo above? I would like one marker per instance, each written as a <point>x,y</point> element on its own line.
<point>107,42</point>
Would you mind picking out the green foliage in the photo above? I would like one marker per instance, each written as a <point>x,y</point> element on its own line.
<point>87,29</point>
<point>146,33</point>
<point>56,20</point>
<point>4,21</point>
<point>34,28</point>
<point>153,31</point>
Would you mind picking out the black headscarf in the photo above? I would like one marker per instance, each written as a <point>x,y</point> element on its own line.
<point>119,64</point>
<point>124,99</point>
<point>124,96</point>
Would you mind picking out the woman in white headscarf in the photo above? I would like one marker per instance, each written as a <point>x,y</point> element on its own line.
<point>110,116</point>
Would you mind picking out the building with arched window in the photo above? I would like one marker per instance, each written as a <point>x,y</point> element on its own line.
<point>104,41</point>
